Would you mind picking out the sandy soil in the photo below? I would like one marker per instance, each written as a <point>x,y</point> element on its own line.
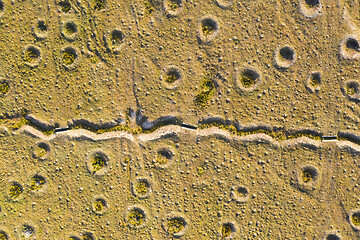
<point>122,77</point>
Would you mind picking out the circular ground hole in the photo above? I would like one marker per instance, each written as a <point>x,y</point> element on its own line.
<point>312,3</point>
<point>32,54</point>
<point>172,75</point>
<point>352,44</point>
<point>69,56</point>
<point>99,205</point>
<point>27,232</point>
<point>116,37</point>
<point>65,6</point>
<point>287,53</point>
<point>41,26</point>
<point>4,87</point>
<point>3,235</point>
<point>141,187</point>
<point>333,236</point>
<point>37,182</point>
<point>309,174</point>
<point>99,4</point>
<point>242,191</point>
<point>164,155</point>
<point>351,88</point>
<point>136,217</point>
<point>315,79</point>
<point>175,225</point>
<point>208,26</point>
<point>249,78</point>
<point>70,27</point>
<point>88,236</point>
<point>98,161</point>
<point>227,230</point>
<point>74,238</point>
<point>41,150</point>
<point>15,190</point>
<point>355,218</point>
<point>173,5</point>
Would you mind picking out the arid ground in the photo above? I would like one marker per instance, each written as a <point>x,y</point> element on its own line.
<point>179,119</point>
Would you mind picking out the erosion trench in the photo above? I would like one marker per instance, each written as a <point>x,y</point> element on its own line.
<point>179,119</point>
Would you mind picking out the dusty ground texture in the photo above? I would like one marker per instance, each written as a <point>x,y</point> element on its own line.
<point>161,119</point>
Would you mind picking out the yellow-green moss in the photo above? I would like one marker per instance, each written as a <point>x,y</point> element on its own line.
<point>68,57</point>
<point>65,6</point>
<point>3,236</point>
<point>4,87</point>
<point>87,236</point>
<point>226,230</point>
<point>306,176</point>
<point>37,182</point>
<point>350,89</point>
<point>15,190</point>
<point>70,27</point>
<point>99,205</point>
<point>99,4</point>
<point>136,217</point>
<point>207,29</point>
<point>116,38</point>
<point>20,123</point>
<point>200,171</point>
<point>171,77</point>
<point>175,225</point>
<point>174,4</point>
<point>98,162</point>
<point>31,55</point>
<point>355,218</point>
<point>207,89</point>
<point>149,6</point>
<point>39,152</point>
<point>247,80</point>
<point>142,187</point>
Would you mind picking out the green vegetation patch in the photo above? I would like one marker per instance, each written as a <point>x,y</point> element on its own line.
<point>116,37</point>
<point>41,26</point>
<point>98,162</point>
<point>149,6</point>
<point>3,235</point>
<point>309,174</point>
<point>65,6</point>
<point>174,4</point>
<point>351,88</point>
<point>136,217</point>
<point>4,87</point>
<point>87,236</point>
<point>226,230</point>
<point>32,54</point>
<point>69,56</point>
<point>99,4</point>
<point>249,78</point>
<point>175,225</point>
<point>163,156</point>
<point>15,190</point>
<point>37,182</point>
<point>142,187</point>
<point>355,218</point>
<point>208,26</point>
<point>70,27</point>
<point>172,76</point>
<point>99,205</point>
<point>315,79</point>
<point>207,90</point>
